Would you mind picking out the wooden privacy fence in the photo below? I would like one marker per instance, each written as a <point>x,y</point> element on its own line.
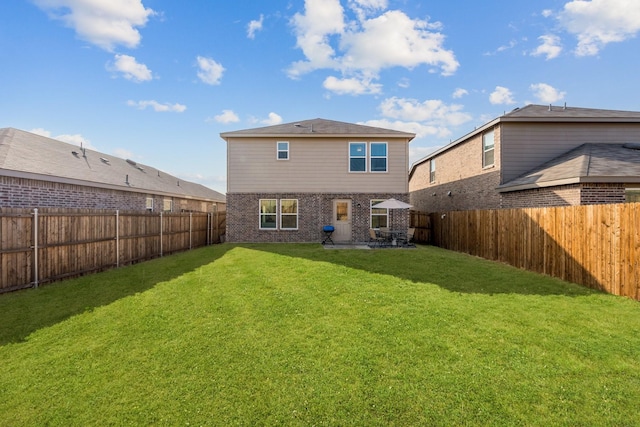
<point>421,221</point>
<point>596,245</point>
<point>38,246</point>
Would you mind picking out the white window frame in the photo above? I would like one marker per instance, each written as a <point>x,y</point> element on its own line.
<point>432,170</point>
<point>284,151</point>
<point>372,202</point>
<point>167,205</point>
<point>262,213</point>
<point>149,204</point>
<point>385,157</point>
<point>288,214</point>
<point>488,146</point>
<point>364,156</point>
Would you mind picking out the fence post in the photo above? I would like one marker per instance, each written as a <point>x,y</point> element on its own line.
<point>117,238</point>
<point>161,234</point>
<point>35,248</point>
<point>190,217</point>
<point>208,228</point>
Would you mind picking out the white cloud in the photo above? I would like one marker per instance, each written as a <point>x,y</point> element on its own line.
<point>75,139</point>
<point>432,111</point>
<point>123,153</point>
<point>227,116</point>
<point>104,23</point>
<point>546,94</point>
<point>273,119</point>
<point>365,46</point>
<point>254,26</point>
<point>210,71</point>
<point>597,23</point>
<point>501,95</point>
<point>421,130</point>
<point>417,152</point>
<point>131,69</point>
<point>158,107</point>
<point>550,46</point>
<point>547,13</point>
<point>459,93</point>
<point>351,86</point>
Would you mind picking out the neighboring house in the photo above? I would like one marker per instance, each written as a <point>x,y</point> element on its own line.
<point>40,172</point>
<point>286,182</point>
<point>534,156</point>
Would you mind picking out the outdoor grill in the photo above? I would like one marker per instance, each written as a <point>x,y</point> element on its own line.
<point>328,231</point>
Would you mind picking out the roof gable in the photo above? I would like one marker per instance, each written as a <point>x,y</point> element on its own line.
<point>27,153</point>
<point>317,128</point>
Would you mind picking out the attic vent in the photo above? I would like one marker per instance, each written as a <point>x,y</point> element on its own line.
<point>104,160</point>
<point>140,168</point>
<point>131,162</point>
<point>632,145</point>
<point>75,153</point>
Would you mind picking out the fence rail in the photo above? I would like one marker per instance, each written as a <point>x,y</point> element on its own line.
<point>597,246</point>
<point>38,246</point>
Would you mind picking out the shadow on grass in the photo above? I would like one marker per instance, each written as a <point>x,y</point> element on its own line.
<point>456,272</point>
<point>26,311</point>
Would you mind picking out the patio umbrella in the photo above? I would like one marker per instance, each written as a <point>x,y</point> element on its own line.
<point>392,204</point>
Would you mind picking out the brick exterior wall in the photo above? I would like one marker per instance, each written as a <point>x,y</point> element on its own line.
<point>29,193</point>
<point>314,211</point>
<point>565,195</point>
<point>478,192</point>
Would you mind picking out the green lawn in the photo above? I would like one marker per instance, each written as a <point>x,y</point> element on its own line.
<point>298,335</point>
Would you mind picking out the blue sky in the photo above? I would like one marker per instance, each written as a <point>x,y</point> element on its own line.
<point>157,81</point>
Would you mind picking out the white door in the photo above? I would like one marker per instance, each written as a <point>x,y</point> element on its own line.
<point>342,220</point>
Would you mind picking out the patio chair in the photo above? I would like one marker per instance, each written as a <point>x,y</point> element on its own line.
<point>409,238</point>
<point>376,239</point>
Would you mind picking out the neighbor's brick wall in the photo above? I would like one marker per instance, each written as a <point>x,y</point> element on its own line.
<point>565,195</point>
<point>459,171</point>
<point>314,211</point>
<point>29,193</point>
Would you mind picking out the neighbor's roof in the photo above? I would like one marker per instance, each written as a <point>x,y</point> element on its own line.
<point>601,163</point>
<point>317,128</point>
<point>545,114</point>
<point>27,155</point>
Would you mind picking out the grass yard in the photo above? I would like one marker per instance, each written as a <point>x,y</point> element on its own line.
<point>281,334</point>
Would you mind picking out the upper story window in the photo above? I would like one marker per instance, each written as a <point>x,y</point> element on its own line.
<point>357,157</point>
<point>488,147</point>
<point>378,158</point>
<point>268,214</point>
<point>283,150</point>
<point>288,214</point>
<point>432,170</point>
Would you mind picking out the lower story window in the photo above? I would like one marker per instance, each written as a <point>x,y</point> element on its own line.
<point>632,195</point>
<point>149,203</point>
<point>288,214</point>
<point>167,205</point>
<point>268,214</point>
<point>379,216</point>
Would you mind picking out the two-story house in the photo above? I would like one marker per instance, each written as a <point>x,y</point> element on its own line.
<point>286,182</point>
<point>532,157</point>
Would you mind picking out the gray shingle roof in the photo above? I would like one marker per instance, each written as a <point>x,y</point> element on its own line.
<point>318,128</point>
<point>27,154</point>
<point>562,113</point>
<point>586,163</point>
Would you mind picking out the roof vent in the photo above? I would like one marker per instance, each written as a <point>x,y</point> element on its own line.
<point>131,162</point>
<point>632,145</point>
<point>75,153</point>
<point>104,160</point>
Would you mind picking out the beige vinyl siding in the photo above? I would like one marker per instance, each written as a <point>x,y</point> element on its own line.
<point>314,165</point>
<point>530,145</point>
